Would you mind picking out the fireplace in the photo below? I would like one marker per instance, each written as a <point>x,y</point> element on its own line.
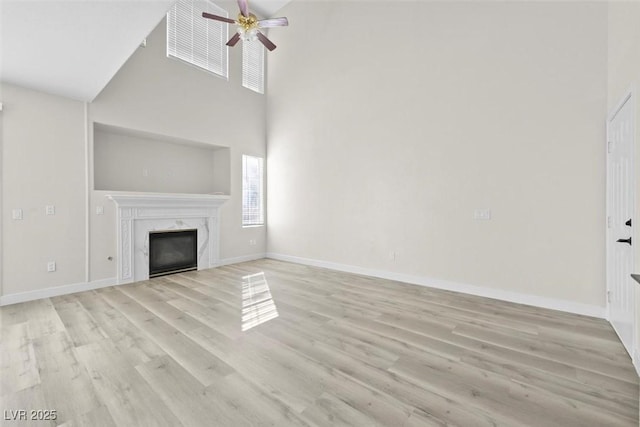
<point>172,251</point>
<point>141,214</point>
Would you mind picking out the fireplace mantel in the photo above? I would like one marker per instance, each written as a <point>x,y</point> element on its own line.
<point>140,213</point>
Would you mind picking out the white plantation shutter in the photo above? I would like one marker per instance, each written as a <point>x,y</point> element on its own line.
<point>252,200</point>
<point>253,65</point>
<point>197,40</point>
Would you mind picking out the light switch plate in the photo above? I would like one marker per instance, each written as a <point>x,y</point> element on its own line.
<point>482,214</point>
<point>16,214</point>
<point>50,210</point>
<point>99,210</point>
<point>51,266</point>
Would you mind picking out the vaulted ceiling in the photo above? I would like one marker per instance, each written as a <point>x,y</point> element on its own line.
<point>73,48</point>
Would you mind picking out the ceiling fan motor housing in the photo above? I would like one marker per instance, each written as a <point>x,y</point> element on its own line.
<point>247,27</point>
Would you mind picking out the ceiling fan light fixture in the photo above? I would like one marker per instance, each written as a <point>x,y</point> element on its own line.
<point>248,36</point>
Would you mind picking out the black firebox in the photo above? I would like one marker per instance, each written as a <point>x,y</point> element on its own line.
<point>172,251</point>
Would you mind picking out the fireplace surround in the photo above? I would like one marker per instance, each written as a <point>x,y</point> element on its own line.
<point>138,215</point>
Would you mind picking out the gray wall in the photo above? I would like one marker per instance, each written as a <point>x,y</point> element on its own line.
<point>386,132</point>
<point>126,161</point>
<point>42,164</point>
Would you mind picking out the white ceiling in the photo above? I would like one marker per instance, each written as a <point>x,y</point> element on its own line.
<point>267,8</point>
<point>74,47</point>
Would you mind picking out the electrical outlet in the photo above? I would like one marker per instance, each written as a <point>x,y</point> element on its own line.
<point>16,214</point>
<point>482,214</point>
<point>393,255</point>
<point>50,210</point>
<point>252,242</point>
<point>51,266</point>
<point>99,210</point>
<point>145,172</point>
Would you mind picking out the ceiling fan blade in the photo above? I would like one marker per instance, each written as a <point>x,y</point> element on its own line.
<point>233,40</point>
<point>273,22</point>
<point>244,7</point>
<point>218,18</point>
<point>265,41</point>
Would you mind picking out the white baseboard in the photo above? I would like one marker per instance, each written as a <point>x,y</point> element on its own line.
<point>96,284</point>
<point>554,304</point>
<point>239,259</point>
<point>520,298</point>
<point>55,291</point>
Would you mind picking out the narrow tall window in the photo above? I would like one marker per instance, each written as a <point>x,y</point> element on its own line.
<point>253,65</point>
<point>196,40</point>
<point>252,191</point>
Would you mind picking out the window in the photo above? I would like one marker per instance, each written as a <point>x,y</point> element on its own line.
<point>196,40</point>
<point>253,65</point>
<point>252,200</point>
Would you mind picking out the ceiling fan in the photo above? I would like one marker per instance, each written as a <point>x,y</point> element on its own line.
<point>249,26</point>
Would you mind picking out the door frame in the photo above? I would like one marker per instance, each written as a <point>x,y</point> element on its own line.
<point>629,96</point>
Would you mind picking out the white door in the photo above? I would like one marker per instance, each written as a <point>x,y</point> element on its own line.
<point>620,221</point>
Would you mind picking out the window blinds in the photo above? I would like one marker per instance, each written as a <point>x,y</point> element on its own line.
<point>252,185</point>
<point>253,65</point>
<point>196,40</point>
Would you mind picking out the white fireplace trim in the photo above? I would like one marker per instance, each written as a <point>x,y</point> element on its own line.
<point>138,214</point>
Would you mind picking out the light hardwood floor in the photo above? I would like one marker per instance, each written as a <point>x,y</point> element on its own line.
<point>319,347</point>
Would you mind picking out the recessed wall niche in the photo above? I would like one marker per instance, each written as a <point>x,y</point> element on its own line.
<point>131,160</point>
